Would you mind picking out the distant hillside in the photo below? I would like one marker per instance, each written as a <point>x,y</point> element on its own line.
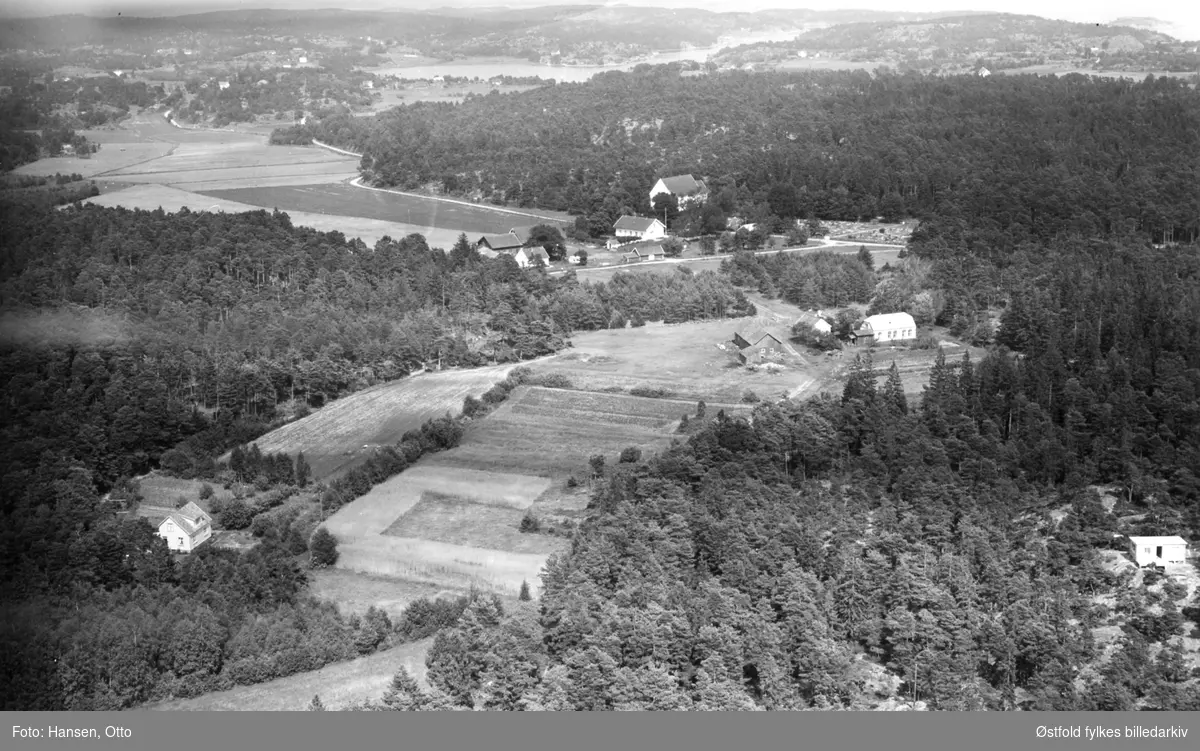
<point>998,41</point>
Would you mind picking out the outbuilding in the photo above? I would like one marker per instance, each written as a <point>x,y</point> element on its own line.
<point>1158,551</point>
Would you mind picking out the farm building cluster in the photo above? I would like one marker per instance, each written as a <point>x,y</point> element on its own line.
<point>513,243</point>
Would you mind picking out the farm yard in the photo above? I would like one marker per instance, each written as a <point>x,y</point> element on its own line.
<point>419,211</point>
<point>343,433</point>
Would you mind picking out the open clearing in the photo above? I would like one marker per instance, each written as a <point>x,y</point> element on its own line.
<point>344,432</point>
<point>338,685</point>
<point>459,521</point>
<point>419,211</point>
<point>151,197</point>
<point>685,358</point>
<point>360,525</point>
<point>353,592</point>
<point>111,156</point>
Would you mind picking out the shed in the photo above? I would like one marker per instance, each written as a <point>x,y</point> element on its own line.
<point>1158,550</point>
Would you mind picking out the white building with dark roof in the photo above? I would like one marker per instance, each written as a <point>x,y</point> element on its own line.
<point>186,529</point>
<point>685,188</point>
<point>639,228</point>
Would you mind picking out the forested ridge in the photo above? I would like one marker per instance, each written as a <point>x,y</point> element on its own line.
<point>1029,154</point>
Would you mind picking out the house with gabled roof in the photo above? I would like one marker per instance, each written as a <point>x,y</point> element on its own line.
<point>756,344</point>
<point>185,529</point>
<point>505,243</point>
<point>527,257</point>
<point>815,321</point>
<point>885,327</point>
<point>639,228</point>
<point>685,188</point>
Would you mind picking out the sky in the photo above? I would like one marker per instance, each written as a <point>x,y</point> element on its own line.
<point>1184,15</point>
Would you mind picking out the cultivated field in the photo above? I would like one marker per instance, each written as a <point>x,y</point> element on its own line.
<point>151,197</point>
<point>360,528</point>
<point>338,685</point>
<point>344,432</point>
<point>419,211</point>
<point>460,521</point>
<point>159,490</point>
<point>110,157</point>
<point>554,432</point>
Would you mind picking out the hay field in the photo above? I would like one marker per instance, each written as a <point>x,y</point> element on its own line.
<point>460,521</point>
<point>421,211</point>
<point>237,163</point>
<point>150,197</point>
<point>364,547</point>
<point>352,592</point>
<point>338,685</point>
<point>685,358</point>
<point>553,432</point>
<point>344,432</point>
<point>111,156</point>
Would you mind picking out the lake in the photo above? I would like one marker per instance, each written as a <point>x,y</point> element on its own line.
<point>487,67</point>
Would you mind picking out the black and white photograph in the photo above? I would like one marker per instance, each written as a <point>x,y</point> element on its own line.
<point>575,357</point>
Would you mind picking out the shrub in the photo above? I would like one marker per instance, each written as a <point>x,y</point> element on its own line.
<point>323,548</point>
<point>749,397</point>
<point>206,491</point>
<point>572,482</point>
<point>653,392</point>
<point>631,455</point>
<point>472,406</point>
<point>530,522</point>
<point>236,515</point>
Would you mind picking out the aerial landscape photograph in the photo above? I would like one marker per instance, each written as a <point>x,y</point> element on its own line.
<point>540,356</point>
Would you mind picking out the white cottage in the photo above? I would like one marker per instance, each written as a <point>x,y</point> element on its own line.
<point>685,188</point>
<point>1158,551</point>
<point>186,529</point>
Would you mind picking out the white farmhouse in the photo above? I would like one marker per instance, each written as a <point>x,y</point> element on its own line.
<point>529,257</point>
<point>639,228</point>
<point>685,188</point>
<point>186,529</point>
<point>886,327</point>
<point>1158,550</point>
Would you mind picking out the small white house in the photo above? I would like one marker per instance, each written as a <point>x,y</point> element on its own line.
<point>222,85</point>
<point>528,257</point>
<point>186,529</point>
<point>1158,550</point>
<point>639,228</point>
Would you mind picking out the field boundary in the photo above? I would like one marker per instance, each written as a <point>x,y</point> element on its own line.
<point>335,148</point>
<point>358,183</point>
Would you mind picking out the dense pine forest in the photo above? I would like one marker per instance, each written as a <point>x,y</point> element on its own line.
<point>951,549</point>
<point>1012,156</point>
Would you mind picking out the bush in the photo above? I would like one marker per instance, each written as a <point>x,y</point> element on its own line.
<point>654,392</point>
<point>631,455</point>
<point>572,482</point>
<point>323,548</point>
<point>472,406</point>
<point>206,491</point>
<point>530,522</point>
<point>749,397</point>
<point>236,515</point>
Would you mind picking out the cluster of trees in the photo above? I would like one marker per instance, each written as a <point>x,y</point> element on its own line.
<point>1026,157</point>
<point>810,281</point>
